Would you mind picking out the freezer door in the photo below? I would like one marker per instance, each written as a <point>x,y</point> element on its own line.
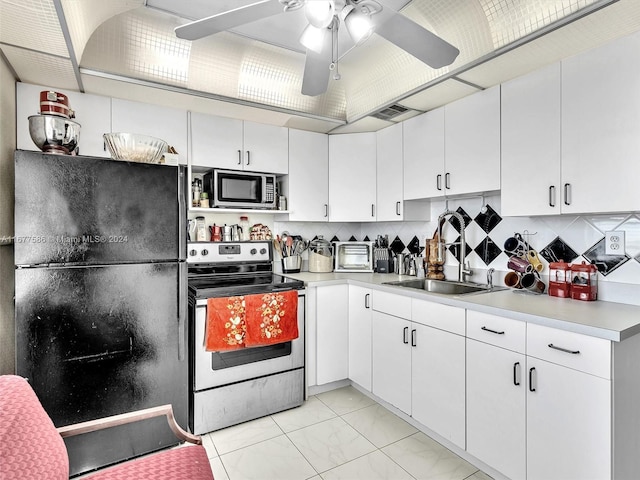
<point>99,341</point>
<point>97,211</point>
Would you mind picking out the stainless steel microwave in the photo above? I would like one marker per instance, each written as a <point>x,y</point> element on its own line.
<point>236,189</point>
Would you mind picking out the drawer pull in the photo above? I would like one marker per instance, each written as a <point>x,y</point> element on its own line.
<point>492,331</point>
<point>565,350</point>
<point>531,387</point>
<point>516,374</point>
<point>405,331</point>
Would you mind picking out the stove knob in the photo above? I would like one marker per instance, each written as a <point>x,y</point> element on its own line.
<point>263,251</point>
<point>204,252</point>
<point>193,252</point>
<point>253,251</point>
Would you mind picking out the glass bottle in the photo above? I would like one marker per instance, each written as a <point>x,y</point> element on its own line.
<point>246,228</point>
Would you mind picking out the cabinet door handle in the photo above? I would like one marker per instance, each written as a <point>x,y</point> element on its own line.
<point>531,387</point>
<point>516,374</point>
<point>373,210</point>
<point>439,182</point>
<point>565,350</point>
<point>492,331</point>
<point>398,208</point>
<point>567,194</point>
<point>447,181</point>
<point>248,157</point>
<point>326,210</point>
<point>366,300</point>
<point>405,331</point>
<point>239,157</point>
<point>552,196</point>
<point>413,338</point>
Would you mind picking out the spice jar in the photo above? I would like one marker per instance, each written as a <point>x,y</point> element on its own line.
<point>204,200</point>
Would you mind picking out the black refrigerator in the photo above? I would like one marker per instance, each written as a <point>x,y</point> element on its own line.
<point>101,307</point>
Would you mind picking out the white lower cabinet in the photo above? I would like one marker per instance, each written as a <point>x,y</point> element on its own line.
<point>532,419</point>
<point>496,408</point>
<point>420,369</point>
<point>332,333</point>
<point>360,336</point>
<point>437,381</point>
<point>392,360</point>
<point>568,424</point>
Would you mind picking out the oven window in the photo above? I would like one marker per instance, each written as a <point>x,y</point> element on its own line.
<point>235,358</point>
<point>240,188</point>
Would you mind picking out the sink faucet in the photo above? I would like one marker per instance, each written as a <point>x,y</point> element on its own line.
<point>463,270</point>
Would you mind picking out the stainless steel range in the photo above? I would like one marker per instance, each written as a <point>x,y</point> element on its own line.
<point>228,387</point>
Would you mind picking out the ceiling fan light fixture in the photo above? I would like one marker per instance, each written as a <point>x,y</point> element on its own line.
<point>320,13</point>
<point>313,38</point>
<point>359,25</point>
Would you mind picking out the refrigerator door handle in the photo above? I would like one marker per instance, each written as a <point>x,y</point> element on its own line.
<point>182,214</point>
<point>182,311</point>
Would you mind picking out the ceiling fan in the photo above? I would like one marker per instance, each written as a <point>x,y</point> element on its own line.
<point>360,17</point>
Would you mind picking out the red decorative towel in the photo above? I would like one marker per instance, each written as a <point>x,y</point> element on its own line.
<point>226,327</point>
<point>271,318</point>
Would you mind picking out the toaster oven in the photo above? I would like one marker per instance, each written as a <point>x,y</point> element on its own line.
<point>353,257</point>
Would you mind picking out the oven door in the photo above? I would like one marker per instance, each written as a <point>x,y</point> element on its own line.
<point>214,369</point>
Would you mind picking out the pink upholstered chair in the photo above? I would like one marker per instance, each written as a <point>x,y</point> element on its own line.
<point>31,447</point>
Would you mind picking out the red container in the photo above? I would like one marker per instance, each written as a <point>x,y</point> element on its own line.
<point>560,279</point>
<point>584,282</point>
<point>55,103</point>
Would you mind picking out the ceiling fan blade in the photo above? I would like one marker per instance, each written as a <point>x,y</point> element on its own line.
<point>416,40</point>
<point>316,71</point>
<point>229,19</point>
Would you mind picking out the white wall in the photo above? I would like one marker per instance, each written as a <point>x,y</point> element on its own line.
<point>7,146</point>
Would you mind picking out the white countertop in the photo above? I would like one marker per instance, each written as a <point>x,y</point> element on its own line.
<point>608,320</point>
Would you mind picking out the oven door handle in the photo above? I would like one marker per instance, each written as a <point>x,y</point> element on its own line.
<point>182,311</point>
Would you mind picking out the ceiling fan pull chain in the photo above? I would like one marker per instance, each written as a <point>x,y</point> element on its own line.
<point>334,48</point>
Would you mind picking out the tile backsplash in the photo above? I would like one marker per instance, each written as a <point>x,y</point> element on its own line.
<point>570,237</point>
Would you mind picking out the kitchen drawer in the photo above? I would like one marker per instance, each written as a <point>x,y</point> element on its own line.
<point>580,352</point>
<point>392,304</point>
<point>444,317</point>
<point>500,331</point>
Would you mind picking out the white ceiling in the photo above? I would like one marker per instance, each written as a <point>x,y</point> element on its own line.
<point>127,49</point>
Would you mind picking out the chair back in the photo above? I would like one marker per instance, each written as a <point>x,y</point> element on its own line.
<point>30,446</point>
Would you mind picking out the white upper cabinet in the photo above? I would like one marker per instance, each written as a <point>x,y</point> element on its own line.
<point>531,117</point>
<point>238,145</point>
<point>472,143</point>
<point>308,176</point>
<point>93,113</point>
<point>166,123</point>
<point>423,155</point>
<point>352,177</point>
<point>216,142</point>
<point>454,150</point>
<point>600,125</point>
<point>266,148</point>
<point>389,197</point>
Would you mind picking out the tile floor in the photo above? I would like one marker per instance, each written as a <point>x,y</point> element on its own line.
<point>336,435</point>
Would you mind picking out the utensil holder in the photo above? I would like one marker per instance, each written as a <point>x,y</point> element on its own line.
<point>291,264</point>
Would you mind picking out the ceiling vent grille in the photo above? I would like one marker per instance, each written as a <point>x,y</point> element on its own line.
<point>390,112</point>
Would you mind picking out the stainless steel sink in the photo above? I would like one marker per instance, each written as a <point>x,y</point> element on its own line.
<point>443,287</point>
